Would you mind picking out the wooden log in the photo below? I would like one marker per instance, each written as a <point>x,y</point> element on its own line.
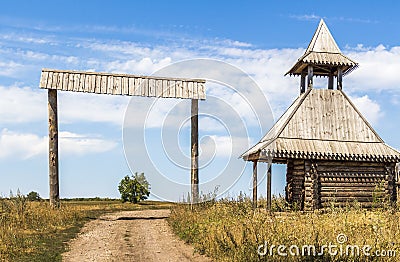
<point>303,83</point>
<point>346,199</point>
<point>269,193</point>
<point>343,204</point>
<point>349,163</point>
<point>349,168</point>
<point>339,79</point>
<point>330,81</point>
<point>194,150</point>
<point>53,149</point>
<point>355,194</point>
<point>310,76</point>
<point>255,184</point>
<point>350,184</point>
<point>347,189</point>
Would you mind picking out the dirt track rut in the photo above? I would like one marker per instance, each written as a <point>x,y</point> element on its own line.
<point>130,236</point>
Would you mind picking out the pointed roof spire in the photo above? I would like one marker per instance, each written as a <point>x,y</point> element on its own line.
<point>323,52</point>
<point>323,41</point>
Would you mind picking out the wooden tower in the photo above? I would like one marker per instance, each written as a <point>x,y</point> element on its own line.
<point>333,155</point>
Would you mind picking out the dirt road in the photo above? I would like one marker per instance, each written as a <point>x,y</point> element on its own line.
<point>130,236</point>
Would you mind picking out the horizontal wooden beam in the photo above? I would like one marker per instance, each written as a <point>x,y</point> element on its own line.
<point>122,84</point>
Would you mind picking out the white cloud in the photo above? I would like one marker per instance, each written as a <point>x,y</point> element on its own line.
<point>27,145</point>
<point>222,146</point>
<point>83,107</point>
<point>27,105</point>
<point>21,145</point>
<point>378,69</point>
<point>370,109</point>
<point>22,105</point>
<point>78,144</point>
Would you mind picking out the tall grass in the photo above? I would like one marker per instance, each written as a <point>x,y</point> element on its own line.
<point>25,225</point>
<point>229,230</point>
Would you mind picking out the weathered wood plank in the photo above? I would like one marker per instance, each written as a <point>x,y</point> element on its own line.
<point>178,86</point>
<point>159,89</point>
<point>110,85</point>
<point>117,90</point>
<point>98,84</point>
<point>125,86</point>
<point>152,87</point>
<point>81,87</point>
<point>145,84</point>
<point>131,84</point>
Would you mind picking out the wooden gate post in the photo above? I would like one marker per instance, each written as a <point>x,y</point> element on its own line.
<point>53,149</point>
<point>255,183</point>
<point>194,139</point>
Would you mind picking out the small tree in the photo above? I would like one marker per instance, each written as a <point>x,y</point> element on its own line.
<point>134,189</point>
<point>33,196</point>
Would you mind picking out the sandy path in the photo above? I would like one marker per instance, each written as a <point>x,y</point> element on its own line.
<point>130,236</point>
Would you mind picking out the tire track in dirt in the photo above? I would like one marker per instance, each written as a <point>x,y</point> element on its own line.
<point>130,236</point>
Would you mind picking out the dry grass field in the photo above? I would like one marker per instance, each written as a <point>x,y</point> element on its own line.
<point>234,231</point>
<point>32,231</point>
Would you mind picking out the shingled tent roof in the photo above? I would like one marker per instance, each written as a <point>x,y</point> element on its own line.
<point>323,51</point>
<point>322,124</point>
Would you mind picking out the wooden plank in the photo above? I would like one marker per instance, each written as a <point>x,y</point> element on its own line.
<point>152,87</point>
<point>65,81</point>
<point>76,82</point>
<point>172,88</point>
<point>195,91</point>
<point>138,87</point>
<point>43,79</point>
<point>98,84</point>
<point>185,90</point>
<point>59,84</point>
<point>131,83</point>
<point>87,84</point>
<point>103,86</point>
<point>165,92</point>
<point>53,149</point>
<point>81,87</point>
<point>190,89</point>
<point>117,90</point>
<point>125,86</point>
<point>142,87</point>
<point>159,88</point>
<point>178,87</point>
<point>71,82</point>
<point>202,90</point>
<point>145,86</point>
<point>92,84</point>
<point>49,80</point>
<point>110,85</point>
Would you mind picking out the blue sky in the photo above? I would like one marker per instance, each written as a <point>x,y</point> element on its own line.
<point>260,38</point>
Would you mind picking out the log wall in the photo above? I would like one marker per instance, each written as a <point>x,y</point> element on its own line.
<point>295,182</point>
<point>319,184</point>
